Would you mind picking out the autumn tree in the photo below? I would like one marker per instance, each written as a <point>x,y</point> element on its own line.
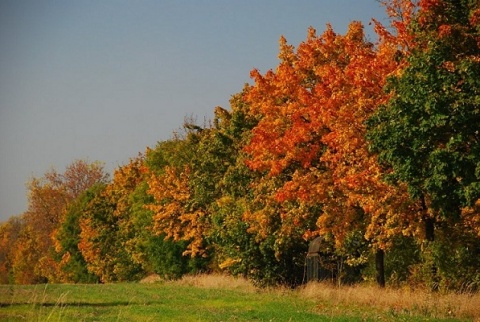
<point>222,160</point>
<point>106,227</point>
<point>177,224</point>
<point>48,200</point>
<point>427,132</point>
<point>311,138</point>
<point>10,233</point>
<point>174,214</point>
<point>194,192</point>
<point>152,251</point>
<point>71,261</point>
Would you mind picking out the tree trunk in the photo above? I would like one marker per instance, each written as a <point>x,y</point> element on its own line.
<point>429,229</point>
<point>380,267</point>
<point>429,222</point>
<point>430,237</point>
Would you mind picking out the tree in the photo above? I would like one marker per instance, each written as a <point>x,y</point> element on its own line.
<point>26,256</point>
<point>107,228</point>
<point>49,199</point>
<point>71,261</point>
<point>426,133</point>
<point>10,233</point>
<point>311,139</point>
<point>185,189</point>
<point>152,251</point>
<point>176,245</point>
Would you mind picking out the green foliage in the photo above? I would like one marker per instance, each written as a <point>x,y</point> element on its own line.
<point>102,241</point>
<point>165,257</point>
<point>402,260</point>
<point>68,238</point>
<point>427,133</point>
<point>456,254</point>
<point>266,259</point>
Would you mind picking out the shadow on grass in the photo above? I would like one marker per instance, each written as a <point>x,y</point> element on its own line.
<point>77,304</point>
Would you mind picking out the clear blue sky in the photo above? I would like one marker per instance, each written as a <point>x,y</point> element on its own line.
<point>104,79</point>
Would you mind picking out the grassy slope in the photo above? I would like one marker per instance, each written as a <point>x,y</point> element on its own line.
<point>204,299</point>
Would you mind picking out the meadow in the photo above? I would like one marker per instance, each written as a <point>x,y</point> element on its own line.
<point>221,298</point>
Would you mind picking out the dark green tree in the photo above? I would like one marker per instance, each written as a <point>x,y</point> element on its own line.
<point>428,131</point>
<point>427,134</point>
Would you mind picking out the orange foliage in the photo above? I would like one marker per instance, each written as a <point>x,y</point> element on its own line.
<point>101,237</point>
<point>312,130</point>
<point>401,13</point>
<point>125,180</point>
<point>471,218</point>
<point>172,214</point>
<point>87,246</point>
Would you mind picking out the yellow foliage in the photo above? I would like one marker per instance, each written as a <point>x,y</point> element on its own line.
<point>172,215</point>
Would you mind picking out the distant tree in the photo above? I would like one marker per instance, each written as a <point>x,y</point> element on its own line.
<point>49,199</point>
<point>10,232</point>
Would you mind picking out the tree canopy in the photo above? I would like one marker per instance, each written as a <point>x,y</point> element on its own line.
<point>372,147</point>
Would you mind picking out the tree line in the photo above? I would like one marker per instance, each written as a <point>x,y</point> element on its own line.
<point>374,147</point>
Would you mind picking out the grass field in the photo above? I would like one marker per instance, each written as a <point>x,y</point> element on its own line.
<point>219,298</point>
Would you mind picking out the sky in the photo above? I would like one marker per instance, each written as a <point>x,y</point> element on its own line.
<point>104,79</point>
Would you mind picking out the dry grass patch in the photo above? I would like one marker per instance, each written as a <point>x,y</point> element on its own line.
<point>397,301</point>
<point>153,278</point>
<point>217,281</point>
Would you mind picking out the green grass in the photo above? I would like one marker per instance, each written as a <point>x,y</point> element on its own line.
<point>146,302</point>
<point>177,301</point>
